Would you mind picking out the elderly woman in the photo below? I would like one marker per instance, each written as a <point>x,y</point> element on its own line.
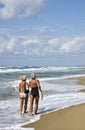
<point>34,95</point>
<point>23,90</point>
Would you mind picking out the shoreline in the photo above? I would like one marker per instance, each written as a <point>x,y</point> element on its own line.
<point>71,118</point>
<point>80,80</point>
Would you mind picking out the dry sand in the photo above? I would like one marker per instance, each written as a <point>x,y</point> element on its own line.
<point>72,118</point>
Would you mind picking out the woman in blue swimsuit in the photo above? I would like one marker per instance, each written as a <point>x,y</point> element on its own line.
<point>34,95</point>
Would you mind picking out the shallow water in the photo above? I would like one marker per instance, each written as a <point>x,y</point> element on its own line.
<point>58,92</point>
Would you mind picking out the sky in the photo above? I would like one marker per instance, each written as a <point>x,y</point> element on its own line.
<point>42,32</point>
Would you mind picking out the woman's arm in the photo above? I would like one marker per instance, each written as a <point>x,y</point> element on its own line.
<point>27,85</point>
<point>38,84</point>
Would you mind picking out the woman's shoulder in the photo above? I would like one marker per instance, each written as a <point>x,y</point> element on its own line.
<point>20,83</point>
<point>37,80</point>
<point>33,81</point>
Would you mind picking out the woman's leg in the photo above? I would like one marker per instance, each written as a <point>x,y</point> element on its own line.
<point>26,101</point>
<point>21,105</point>
<point>36,103</point>
<point>31,104</point>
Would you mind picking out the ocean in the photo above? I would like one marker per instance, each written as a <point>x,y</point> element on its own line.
<point>58,92</point>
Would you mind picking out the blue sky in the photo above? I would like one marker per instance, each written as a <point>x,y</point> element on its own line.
<point>42,32</point>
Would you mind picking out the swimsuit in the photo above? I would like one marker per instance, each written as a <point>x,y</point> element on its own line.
<point>34,91</point>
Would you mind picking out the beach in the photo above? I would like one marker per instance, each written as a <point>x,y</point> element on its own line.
<point>63,87</point>
<point>71,118</point>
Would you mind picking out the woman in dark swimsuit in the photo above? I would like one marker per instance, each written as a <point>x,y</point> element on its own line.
<point>34,95</point>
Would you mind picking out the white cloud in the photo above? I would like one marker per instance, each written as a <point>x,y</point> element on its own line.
<point>31,41</point>
<point>39,45</point>
<point>20,8</point>
<point>75,45</point>
<point>11,44</point>
<point>53,42</point>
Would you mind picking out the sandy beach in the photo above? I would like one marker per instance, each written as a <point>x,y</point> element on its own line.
<point>72,118</point>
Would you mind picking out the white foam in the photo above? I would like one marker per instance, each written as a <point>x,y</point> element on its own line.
<point>59,95</point>
<point>10,69</point>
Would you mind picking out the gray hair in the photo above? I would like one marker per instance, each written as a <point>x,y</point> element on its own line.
<point>33,75</point>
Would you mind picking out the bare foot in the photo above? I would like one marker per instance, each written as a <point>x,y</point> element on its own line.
<point>30,114</point>
<point>21,113</point>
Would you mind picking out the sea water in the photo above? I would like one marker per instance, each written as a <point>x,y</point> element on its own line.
<point>58,91</point>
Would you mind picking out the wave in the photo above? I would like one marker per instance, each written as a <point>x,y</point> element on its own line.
<point>10,69</point>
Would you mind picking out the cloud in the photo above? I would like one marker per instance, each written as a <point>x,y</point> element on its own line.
<point>15,9</point>
<point>11,45</point>
<point>31,41</point>
<point>53,42</point>
<point>75,45</point>
<point>35,44</point>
